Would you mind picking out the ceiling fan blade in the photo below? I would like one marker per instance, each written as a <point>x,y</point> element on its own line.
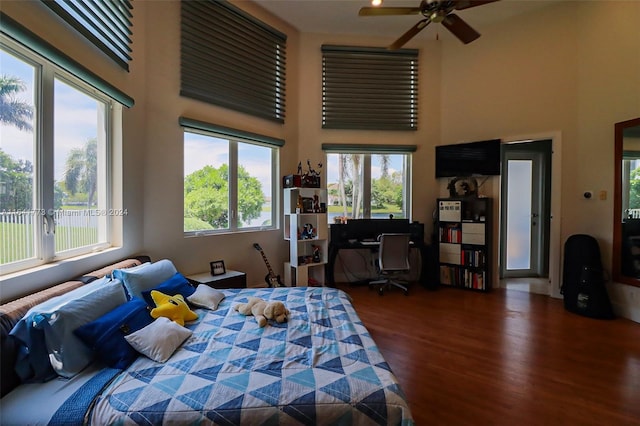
<point>383,11</point>
<point>459,28</point>
<point>466,4</point>
<point>409,34</point>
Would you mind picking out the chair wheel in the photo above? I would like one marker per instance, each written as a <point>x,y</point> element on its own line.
<point>380,291</point>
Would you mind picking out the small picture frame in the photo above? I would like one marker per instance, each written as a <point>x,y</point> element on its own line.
<point>217,267</point>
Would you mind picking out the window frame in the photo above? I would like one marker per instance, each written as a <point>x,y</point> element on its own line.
<point>46,72</point>
<point>234,138</point>
<point>368,151</point>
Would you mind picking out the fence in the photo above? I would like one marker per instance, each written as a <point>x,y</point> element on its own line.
<point>74,229</point>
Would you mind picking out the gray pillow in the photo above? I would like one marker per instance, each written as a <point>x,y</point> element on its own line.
<point>59,316</point>
<point>145,277</point>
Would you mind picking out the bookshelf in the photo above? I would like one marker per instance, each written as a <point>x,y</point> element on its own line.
<point>306,230</point>
<point>464,242</point>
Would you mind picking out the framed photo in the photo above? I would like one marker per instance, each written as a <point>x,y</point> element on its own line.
<point>217,267</point>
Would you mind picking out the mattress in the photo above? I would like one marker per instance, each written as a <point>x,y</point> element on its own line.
<point>320,367</point>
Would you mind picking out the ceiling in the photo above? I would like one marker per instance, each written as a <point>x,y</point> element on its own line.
<point>341,16</point>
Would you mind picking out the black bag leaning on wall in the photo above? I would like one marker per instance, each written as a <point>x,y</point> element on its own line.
<point>583,282</point>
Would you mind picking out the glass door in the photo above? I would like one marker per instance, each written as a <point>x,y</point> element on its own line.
<point>525,212</point>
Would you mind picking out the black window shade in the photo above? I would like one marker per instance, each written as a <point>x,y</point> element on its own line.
<point>231,59</point>
<point>369,88</point>
<point>106,23</point>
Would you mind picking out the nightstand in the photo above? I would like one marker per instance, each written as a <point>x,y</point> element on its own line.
<point>230,279</point>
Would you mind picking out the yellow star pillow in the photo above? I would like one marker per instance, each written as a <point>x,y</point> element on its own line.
<point>172,307</point>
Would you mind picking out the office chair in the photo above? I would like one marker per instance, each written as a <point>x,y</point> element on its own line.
<point>393,260</point>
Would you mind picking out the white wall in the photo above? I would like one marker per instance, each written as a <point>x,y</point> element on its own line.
<point>570,70</point>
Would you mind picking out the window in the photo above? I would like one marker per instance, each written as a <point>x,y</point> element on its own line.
<point>631,184</point>
<point>230,179</point>
<point>55,174</point>
<point>369,88</point>
<point>368,181</point>
<point>105,23</point>
<point>231,59</point>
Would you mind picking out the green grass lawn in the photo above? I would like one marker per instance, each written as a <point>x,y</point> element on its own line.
<point>388,209</point>
<point>16,240</point>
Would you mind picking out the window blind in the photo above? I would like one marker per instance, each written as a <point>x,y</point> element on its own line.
<point>13,30</point>
<point>369,88</point>
<point>107,24</point>
<point>231,59</point>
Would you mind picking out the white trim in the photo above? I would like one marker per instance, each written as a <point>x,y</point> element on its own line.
<point>555,234</point>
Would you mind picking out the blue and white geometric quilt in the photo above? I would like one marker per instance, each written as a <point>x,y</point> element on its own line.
<point>320,367</point>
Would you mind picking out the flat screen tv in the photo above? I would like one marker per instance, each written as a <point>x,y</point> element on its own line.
<point>480,158</point>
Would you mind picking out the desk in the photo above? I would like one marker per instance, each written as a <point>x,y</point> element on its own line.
<point>230,279</point>
<point>334,248</point>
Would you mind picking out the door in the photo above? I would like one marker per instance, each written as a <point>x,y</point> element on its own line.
<point>525,209</point>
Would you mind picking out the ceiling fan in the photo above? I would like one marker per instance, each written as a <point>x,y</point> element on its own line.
<point>439,11</point>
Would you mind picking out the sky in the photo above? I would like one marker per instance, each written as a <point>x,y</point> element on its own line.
<point>75,119</point>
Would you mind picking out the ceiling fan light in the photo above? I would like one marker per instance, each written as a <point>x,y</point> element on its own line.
<point>376,3</point>
<point>437,16</point>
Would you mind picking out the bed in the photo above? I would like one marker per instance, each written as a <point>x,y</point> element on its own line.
<point>319,367</point>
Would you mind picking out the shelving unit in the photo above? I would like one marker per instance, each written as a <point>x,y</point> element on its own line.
<point>306,229</point>
<point>464,242</point>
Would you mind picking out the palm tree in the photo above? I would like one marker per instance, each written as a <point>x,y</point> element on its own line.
<point>385,160</point>
<point>82,170</point>
<point>349,166</point>
<point>14,111</point>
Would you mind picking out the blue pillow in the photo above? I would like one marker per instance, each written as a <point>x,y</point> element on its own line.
<point>177,284</point>
<point>105,335</point>
<point>46,331</point>
<point>145,277</point>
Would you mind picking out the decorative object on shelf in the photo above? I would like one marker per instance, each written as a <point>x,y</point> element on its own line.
<point>292,181</point>
<point>217,267</point>
<point>316,253</point>
<point>340,219</point>
<point>463,187</point>
<point>316,204</point>
<point>299,205</point>
<point>310,179</point>
<point>307,205</point>
<point>308,232</point>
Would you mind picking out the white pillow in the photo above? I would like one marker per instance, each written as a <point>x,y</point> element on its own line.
<point>206,297</point>
<point>160,339</point>
<point>145,276</point>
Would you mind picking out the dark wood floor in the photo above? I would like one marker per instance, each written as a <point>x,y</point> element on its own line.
<point>504,358</point>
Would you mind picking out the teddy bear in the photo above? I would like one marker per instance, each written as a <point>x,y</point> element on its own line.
<point>263,310</point>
